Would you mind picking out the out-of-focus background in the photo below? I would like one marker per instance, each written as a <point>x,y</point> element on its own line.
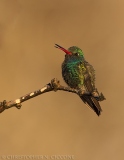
<point>59,123</point>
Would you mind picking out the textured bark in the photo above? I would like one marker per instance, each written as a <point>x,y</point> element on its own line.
<point>54,85</point>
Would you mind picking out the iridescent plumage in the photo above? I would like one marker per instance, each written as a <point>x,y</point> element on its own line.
<point>79,74</point>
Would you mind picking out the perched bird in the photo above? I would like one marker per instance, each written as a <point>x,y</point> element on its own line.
<point>79,74</point>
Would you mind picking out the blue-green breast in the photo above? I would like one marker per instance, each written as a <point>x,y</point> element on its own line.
<point>73,71</point>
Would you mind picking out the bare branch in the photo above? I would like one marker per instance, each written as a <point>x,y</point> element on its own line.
<point>53,86</point>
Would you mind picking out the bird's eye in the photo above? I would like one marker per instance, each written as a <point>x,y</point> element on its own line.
<point>77,54</point>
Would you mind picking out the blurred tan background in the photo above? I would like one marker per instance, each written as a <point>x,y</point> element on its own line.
<point>59,123</point>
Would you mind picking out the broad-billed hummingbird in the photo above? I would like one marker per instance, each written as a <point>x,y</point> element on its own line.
<point>79,74</point>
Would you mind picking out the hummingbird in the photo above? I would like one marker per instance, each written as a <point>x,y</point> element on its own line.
<point>80,75</point>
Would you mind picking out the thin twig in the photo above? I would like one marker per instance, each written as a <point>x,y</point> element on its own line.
<point>53,86</point>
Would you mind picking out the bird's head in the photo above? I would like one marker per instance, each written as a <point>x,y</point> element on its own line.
<point>72,51</point>
<point>75,51</point>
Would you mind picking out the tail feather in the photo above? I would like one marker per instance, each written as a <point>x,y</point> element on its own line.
<point>92,103</point>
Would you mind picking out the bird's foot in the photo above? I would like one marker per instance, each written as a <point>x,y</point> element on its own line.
<point>98,96</point>
<point>82,91</point>
<point>95,93</point>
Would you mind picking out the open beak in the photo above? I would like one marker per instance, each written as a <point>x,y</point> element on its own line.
<point>63,49</point>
